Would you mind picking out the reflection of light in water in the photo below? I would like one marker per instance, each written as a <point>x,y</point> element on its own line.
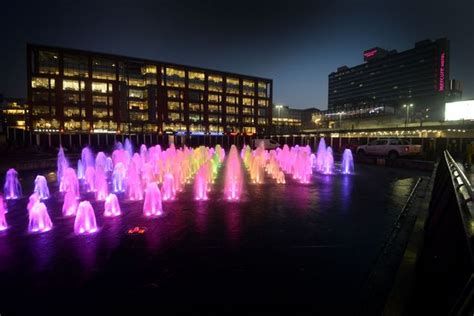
<point>346,192</point>
<point>232,214</point>
<point>400,189</point>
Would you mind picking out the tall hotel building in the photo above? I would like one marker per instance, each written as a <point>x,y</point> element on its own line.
<point>76,91</point>
<point>417,76</point>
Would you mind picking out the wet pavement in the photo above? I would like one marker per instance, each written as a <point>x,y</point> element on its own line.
<point>311,244</point>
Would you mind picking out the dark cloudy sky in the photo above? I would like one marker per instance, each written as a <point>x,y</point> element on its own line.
<point>296,43</point>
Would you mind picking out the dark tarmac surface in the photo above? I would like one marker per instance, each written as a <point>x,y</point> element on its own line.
<point>292,243</point>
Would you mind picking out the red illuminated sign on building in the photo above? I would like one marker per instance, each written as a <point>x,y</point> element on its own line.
<point>441,73</point>
<point>370,53</point>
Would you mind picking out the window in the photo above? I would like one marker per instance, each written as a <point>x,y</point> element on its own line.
<point>175,94</point>
<point>262,102</point>
<point>263,90</point>
<point>103,69</point>
<point>70,85</point>
<point>100,113</point>
<point>173,116</point>
<point>232,85</point>
<point>247,110</point>
<point>214,98</point>
<point>40,110</point>
<point>262,112</point>
<point>48,63</point>
<point>248,120</point>
<point>213,108</point>
<point>215,83</point>
<point>216,129</point>
<point>138,105</point>
<point>37,82</point>
<point>215,118</point>
<point>73,98</point>
<point>135,93</point>
<point>99,87</point>
<point>231,119</point>
<point>262,121</point>
<point>248,87</point>
<point>247,101</point>
<point>195,96</point>
<point>231,110</point>
<point>196,80</point>
<point>148,69</point>
<point>99,100</point>
<point>175,77</point>
<point>76,66</point>
<point>232,100</point>
<point>172,105</point>
<point>138,116</point>
<point>195,117</point>
<point>70,111</point>
<point>195,107</point>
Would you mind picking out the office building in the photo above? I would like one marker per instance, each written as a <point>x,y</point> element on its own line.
<point>418,76</point>
<point>75,91</point>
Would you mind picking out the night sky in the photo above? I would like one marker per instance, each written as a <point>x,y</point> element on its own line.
<point>296,43</point>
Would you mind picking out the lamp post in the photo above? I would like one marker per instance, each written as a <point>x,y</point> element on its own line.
<point>407,106</point>
<point>279,107</point>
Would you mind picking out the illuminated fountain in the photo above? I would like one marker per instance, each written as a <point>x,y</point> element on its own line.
<point>39,221</point>
<point>128,147</point>
<point>70,204</point>
<point>101,162</point>
<point>12,187</point>
<point>101,185</point>
<point>347,164</point>
<point>321,155</point>
<point>280,179</point>
<point>168,191</point>
<point>233,176</point>
<point>87,158</point>
<point>3,210</point>
<point>85,222</point>
<point>134,185</point>
<point>41,187</point>
<point>69,182</point>
<point>62,164</point>
<point>90,179</point>
<point>201,184</point>
<point>152,204</point>
<point>328,167</point>
<point>32,200</point>
<point>80,170</point>
<point>118,177</point>
<point>111,206</point>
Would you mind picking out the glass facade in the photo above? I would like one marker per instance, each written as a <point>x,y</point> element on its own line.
<point>84,91</point>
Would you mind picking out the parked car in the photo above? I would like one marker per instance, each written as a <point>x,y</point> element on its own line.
<point>390,147</point>
<point>267,143</point>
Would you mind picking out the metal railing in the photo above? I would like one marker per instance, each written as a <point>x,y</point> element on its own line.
<point>445,265</point>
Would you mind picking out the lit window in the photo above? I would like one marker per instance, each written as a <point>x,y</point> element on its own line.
<point>70,85</point>
<point>37,82</point>
<point>99,87</point>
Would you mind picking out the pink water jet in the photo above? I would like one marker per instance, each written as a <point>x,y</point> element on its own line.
<point>152,205</point>
<point>69,182</point>
<point>90,179</point>
<point>111,206</point>
<point>41,187</point>
<point>3,210</point>
<point>347,164</point>
<point>85,222</point>
<point>168,191</point>
<point>233,176</point>
<point>118,177</point>
<point>62,164</point>
<point>12,187</point>
<point>32,200</point>
<point>201,184</point>
<point>101,185</point>
<point>134,185</point>
<point>70,204</point>
<point>39,220</point>
<point>328,167</point>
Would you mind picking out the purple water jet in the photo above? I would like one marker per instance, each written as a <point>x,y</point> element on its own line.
<point>12,187</point>
<point>152,205</point>
<point>70,204</point>
<point>111,206</point>
<point>347,164</point>
<point>233,175</point>
<point>168,191</point>
<point>41,187</point>
<point>39,220</point>
<point>85,222</point>
<point>3,210</point>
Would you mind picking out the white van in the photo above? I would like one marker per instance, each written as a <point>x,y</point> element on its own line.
<point>267,143</point>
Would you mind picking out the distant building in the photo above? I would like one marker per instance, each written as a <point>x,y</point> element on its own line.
<point>75,91</point>
<point>286,119</point>
<point>418,76</point>
<point>455,90</point>
<point>13,113</point>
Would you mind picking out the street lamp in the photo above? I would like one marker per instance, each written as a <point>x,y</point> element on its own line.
<point>407,106</point>
<point>340,118</point>
<point>279,107</point>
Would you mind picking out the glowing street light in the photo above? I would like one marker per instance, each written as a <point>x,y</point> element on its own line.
<point>407,106</point>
